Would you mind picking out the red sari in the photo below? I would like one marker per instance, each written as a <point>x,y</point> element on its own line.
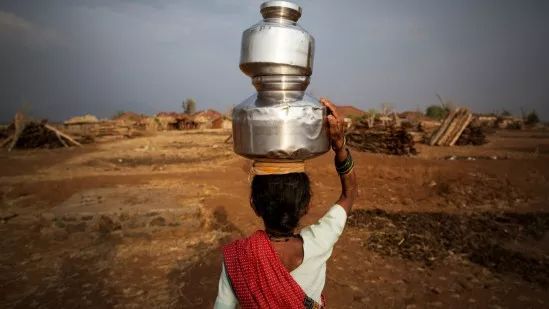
<point>258,277</point>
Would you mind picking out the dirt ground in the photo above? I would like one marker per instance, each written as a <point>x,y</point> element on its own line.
<point>138,223</point>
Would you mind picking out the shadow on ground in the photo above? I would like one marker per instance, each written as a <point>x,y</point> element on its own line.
<point>195,286</point>
<point>505,243</point>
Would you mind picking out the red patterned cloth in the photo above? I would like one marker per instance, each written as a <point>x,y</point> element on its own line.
<point>258,277</point>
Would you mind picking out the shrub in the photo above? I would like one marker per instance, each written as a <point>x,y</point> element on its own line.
<point>532,118</point>
<point>189,106</point>
<point>436,112</point>
<point>118,114</point>
<point>505,113</point>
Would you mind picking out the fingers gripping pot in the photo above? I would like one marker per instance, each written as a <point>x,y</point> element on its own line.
<point>280,122</point>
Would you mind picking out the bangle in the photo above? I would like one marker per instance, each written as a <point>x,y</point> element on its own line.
<point>347,170</point>
<point>346,166</point>
<point>348,158</point>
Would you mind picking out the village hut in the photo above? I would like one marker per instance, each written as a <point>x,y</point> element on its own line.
<point>166,121</point>
<point>81,125</point>
<point>222,122</point>
<point>509,122</point>
<point>204,119</point>
<point>488,121</point>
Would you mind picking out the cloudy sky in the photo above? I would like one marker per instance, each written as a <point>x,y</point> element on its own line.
<point>60,58</point>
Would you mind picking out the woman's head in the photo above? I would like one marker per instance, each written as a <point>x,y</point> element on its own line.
<point>281,200</point>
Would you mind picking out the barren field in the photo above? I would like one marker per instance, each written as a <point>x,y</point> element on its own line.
<point>138,223</point>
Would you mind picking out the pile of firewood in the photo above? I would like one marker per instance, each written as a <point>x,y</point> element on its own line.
<point>458,128</point>
<point>32,134</point>
<point>36,135</point>
<point>451,128</point>
<point>6,132</point>
<point>472,135</point>
<point>391,141</point>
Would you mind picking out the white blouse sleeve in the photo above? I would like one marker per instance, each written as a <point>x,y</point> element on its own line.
<point>322,236</point>
<point>225,295</point>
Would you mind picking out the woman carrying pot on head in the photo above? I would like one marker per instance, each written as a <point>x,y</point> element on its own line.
<point>279,267</point>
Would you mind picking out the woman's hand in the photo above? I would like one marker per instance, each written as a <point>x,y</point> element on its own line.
<point>336,131</point>
<point>336,126</point>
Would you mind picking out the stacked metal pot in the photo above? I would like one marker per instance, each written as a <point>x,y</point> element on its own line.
<point>280,122</point>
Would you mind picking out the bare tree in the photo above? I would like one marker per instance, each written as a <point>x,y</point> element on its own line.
<point>386,108</point>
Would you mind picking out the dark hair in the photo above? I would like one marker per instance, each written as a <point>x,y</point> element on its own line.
<point>281,200</point>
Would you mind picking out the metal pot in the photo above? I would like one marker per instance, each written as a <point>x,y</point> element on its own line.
<point>277,45</point>
<point>281,122</point>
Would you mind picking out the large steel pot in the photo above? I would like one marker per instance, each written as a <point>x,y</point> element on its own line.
<point>281,122</point>
<point>277,45</point>
<point>280,126</point>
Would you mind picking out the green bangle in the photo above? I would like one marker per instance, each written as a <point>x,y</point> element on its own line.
<point>346,165</point>
<point>347,170</point>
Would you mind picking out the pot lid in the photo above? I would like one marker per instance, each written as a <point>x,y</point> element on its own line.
<point>281,9</point>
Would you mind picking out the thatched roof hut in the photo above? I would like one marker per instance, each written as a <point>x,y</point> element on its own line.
<point>88,118</point>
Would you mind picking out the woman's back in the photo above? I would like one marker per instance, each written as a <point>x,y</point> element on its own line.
<point>304,257</point>
<point>275,268</point>
<point>290,252</point>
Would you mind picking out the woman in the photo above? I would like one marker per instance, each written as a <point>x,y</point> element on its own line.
<point>277,268</point>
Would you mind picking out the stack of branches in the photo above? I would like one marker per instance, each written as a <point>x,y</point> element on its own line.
<point>472,135</point>
<point>452,127</point>
<point>391,141</point>
<point>32,134</point>
<point>6,131</point>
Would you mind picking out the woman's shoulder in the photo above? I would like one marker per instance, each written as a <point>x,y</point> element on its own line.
<point>332,222</point>
<point>320,237</point>
<point>258,238</point>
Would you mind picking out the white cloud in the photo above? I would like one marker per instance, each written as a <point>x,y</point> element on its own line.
<point>18,30</point>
